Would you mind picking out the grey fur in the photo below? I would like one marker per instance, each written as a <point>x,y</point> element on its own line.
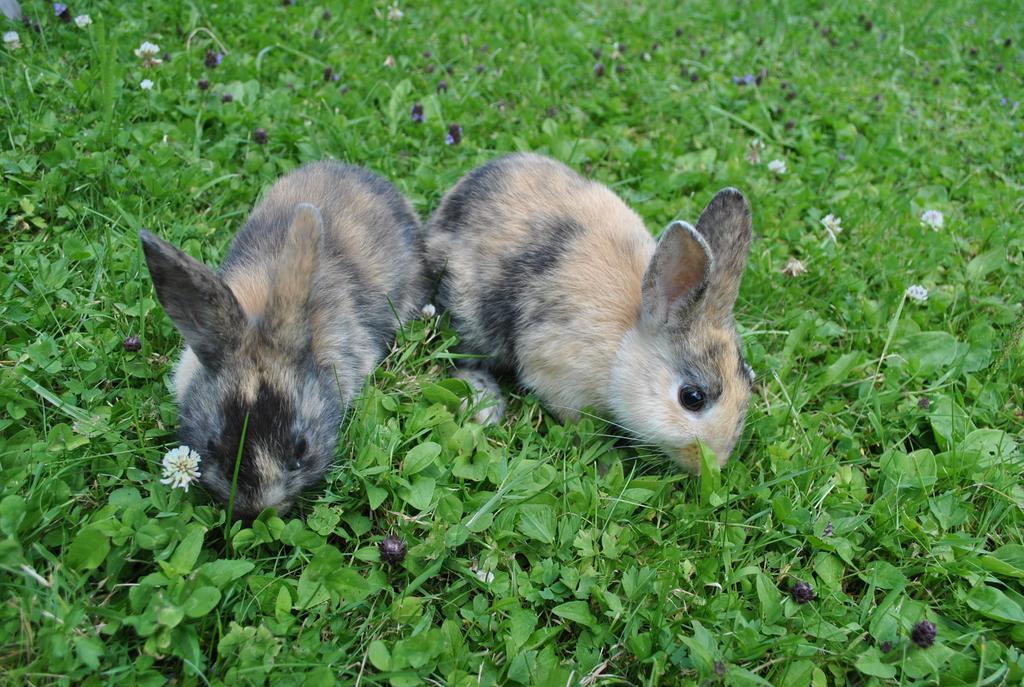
<point>301,311</point>
<point>726,225</point>
<point>677,275</point>
<point>488,403</point>
<point>200,303</point>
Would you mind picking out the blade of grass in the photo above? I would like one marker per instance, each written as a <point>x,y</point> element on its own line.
<point>710,473</point>
<point>234,476</point>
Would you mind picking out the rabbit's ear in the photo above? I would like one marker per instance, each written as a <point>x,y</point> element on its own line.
<point>726,226</point>
<point>196,299</point>
<point>286,318</point>
<point>676,277</point>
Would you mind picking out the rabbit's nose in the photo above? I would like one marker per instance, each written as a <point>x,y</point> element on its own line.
<point>248,515</point>
<point>245,516</point>
<point>688,458</point>
<point>283,507</point>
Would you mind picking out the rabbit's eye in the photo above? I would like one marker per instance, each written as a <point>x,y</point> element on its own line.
<point>300,453</point>
<point>692,398</point>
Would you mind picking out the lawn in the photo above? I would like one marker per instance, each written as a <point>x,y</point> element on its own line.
<point>876,494</point>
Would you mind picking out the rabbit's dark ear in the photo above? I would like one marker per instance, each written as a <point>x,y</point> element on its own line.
<point>676,277</point>
<point>197,300</point>
<point>287,319</point>
<point>726,226</point>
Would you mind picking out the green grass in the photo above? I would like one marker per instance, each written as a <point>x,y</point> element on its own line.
<point>880,464</point>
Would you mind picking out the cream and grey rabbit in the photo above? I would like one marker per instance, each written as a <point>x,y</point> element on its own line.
<point>553,277</point>
<point>306,303</point>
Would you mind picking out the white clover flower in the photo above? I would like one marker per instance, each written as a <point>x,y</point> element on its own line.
<point>933,219</point>
<point>916,292</point>
<point>146,85</point>
<point>83,20</point>
<point>428,311</point>
<point>754,151</point>
<point>395,13</point>
<point>794,268</point>
<point>832,226</point>
<point>777,166</point>
<point>147,49</point>
<point>147,52</point>
<point>389,62</point>
<point>485,576</point>
<point>11,40</point>
<point>181,467</point>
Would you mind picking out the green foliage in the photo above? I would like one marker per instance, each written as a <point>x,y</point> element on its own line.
<point>881,462</point>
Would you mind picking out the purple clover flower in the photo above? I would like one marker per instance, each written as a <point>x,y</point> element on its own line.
<point>213,59</point>
<point>132,344</point>
<point>392,550</point>
<point>454,135</point>
<point>60,10</point>
<point>802,592</point>
<point>923,634</point>
<point>442,86</point>
<point>417,113</point>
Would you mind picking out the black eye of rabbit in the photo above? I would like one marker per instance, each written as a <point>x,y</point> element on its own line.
<point>691,398</point>
<point>300,453</point>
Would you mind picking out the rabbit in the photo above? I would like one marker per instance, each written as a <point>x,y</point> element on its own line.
<point>307,302</point>
<point>554,278</point>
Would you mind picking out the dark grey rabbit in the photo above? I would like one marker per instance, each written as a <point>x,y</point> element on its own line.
<point>306,303</point>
